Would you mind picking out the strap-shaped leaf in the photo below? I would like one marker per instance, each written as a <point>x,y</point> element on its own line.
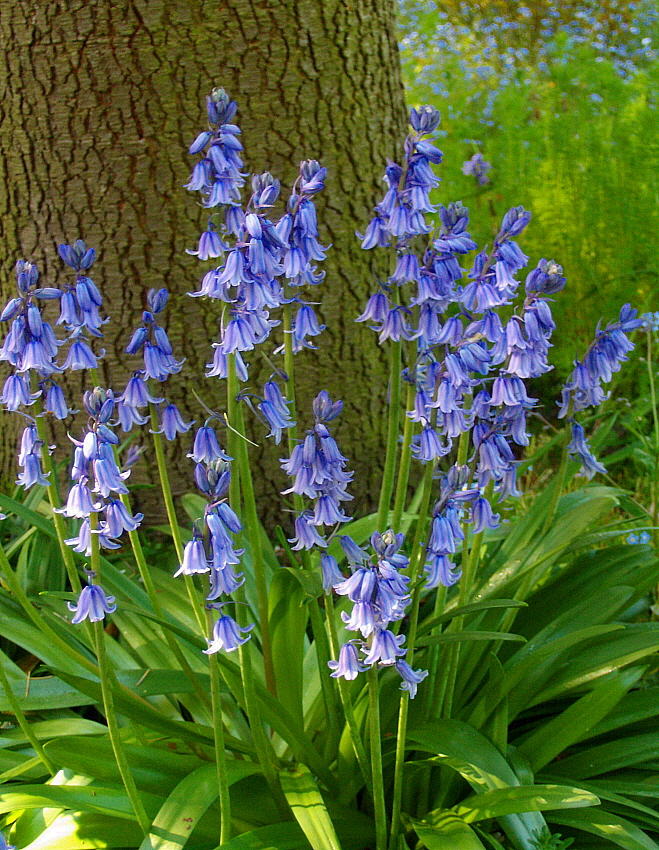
<point>181,811</point>
<point>307,804</point>
<point>276,836</point>
<point>447,832</point>
<point>572,725</point>
<point>522,798</point>
<point>614,829</point>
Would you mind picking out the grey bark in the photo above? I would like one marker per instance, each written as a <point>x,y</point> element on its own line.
<point>98,103</point>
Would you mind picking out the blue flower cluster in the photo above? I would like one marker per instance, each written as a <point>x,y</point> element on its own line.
<point>584,388</point>
<point>470,367</point>
<point>379,594</point>
<point>317,468</point>
<point>264,263</point>
<point>31,346</point>
<point>98,484</point>
<point>212,549</point>
<point>151,339</point>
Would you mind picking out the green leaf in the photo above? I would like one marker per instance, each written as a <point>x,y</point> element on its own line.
<point>288,618</point>
<point>472,608</point>
<point>83,831</point>
<point>278,836</point>
<point>154,768</point>
<point>613,755</point>
<point>616,650</point>
<point>572,725</point>
<point>447,832</point>
<point>181,811</point>
<point>471,754</point>
<point>459,637</point>
<point>308,807</point>
<point>523,798</point>
<point>89,798</point>
<point>613,828</point>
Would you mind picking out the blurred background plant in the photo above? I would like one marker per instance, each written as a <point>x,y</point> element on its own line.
<point>560,100</point>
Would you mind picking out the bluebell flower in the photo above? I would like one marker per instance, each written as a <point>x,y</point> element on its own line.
<point>93,604</point>
<point>206,447</point>
<point>578,447</point>
<point>172,423</point>
<point>195,559</point>
<point>227,635</point>
<point>330,571</point>
<point>306,533</point>
<point>210,244</point>
<point>274,409</point>
<point>118,519</point>
<point>348,666</point>
<point>80,356</point>
<point>77,256</point>
<point>32,472</point>
<point>602,360</point>
<point>385,649</point>
<point>55,402</point>
<point>411,678</point>
<point>16,392</point>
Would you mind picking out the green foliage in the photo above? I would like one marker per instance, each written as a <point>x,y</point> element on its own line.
<point>551,734</point>
<point>574,142</point>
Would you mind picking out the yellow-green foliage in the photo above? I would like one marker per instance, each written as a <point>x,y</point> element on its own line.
<point>573,141</point>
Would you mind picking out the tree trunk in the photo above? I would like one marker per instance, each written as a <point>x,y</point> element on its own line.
<point>98,103</point>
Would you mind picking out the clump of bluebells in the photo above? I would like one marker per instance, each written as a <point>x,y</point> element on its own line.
<point>472,332</point>
<point>378,591</point>
<point>471,326</point>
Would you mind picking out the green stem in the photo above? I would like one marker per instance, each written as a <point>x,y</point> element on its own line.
<point>55,503</point>
<point>220,754</point>
<point>654,501</point>
<point>416,562</point>
<point>386,489</point>
<point>253,527</point>
<point>23,722</point>
<point>168,498</point>
<point>470,561</point>
<point>106,676</point>
<point>405,461</point>
<point>152,593</point>
<point>262,745</point>
<point>320,635</point>
<point>346,702</point>
<point>376,760</point>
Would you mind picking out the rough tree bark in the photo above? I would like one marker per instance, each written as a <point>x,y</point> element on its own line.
<point>98,102</point>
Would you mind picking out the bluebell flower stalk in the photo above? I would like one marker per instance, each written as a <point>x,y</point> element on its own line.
<point>94,499</point>
<point>584,388</point>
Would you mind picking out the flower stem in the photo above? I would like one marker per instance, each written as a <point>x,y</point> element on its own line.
<point>23,722</point>
<point>220,754</point>
<point>253,526</point>
<point>55,502</point>
<point>166,488</point>
<point>262,745</point>
<point>106,676</point>
<point>152,593</point>
<point>416,561</point>
<point>387,486</point>
<point>376,760</point>
<point>320,635</point>
<point>405,460</point>
<point>346,702</point>
<point>654,500</point>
